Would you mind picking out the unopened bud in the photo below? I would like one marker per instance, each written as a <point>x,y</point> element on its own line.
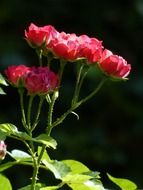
<point>2,150</point>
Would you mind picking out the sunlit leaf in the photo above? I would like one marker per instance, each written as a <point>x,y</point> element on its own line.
<point>45,154</point>
<point>28,187</point>
<point>124,184</point>
<point>20,155</point>
<point>85,187</point>
<point>58,168</point>
<point>5,183</point>
<point>45,139</point>
<point>49,188</point>
<point>76,166</point>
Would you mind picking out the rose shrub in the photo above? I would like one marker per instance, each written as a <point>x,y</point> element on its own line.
<point>42,81</point>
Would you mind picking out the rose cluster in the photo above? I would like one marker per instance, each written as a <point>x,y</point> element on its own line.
<point>72,47</point>
<point>37,80</point>
<point>68,47</point>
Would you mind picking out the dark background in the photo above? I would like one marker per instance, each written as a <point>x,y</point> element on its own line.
<point>109,135</point>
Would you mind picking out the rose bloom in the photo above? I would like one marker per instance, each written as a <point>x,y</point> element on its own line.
<point>64,46</point>
<point>15,74</point>
<point>90,48</point>
<point>114,65</point>
<point>41,81</point>
<point>37,36</point>
<point>2,150</point>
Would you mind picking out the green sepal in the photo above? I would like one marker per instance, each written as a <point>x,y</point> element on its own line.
<point>2,92</point>
<point>2,80</point>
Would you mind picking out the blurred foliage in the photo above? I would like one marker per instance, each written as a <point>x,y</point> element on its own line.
<point>112,122</point>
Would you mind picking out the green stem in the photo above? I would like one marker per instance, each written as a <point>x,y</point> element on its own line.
<point>38,113</point>
<point>77,104</point>
<point>21,92</point>
<point>35,173</point>
<point>75,96</point>
<point>80,78</point>
<point>93,92</point>
<point>61,70</point>
<point>50,113</point>
<point>49,128</point>
<point>29,112</point>
<point>39,53</point>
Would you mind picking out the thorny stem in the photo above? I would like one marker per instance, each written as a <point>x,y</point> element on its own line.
<point>49,128</point>
<point>39,53</point>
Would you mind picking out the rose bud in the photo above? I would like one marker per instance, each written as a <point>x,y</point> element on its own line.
<point>2,150</point>
<point>15,74</point>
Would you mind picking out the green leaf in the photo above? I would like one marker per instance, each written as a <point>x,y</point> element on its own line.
<point>76,167</point>
<point>124,184</point>
<point>5,183</point>
<point>20,155</point>
<point>58,168</point>
<point>2,92</point>
<point>2,136</point>
<point>45,154</point>
<point>7,165</point>
<point>28,187</point>
<point>85,186</point>
<point>8,129</point>
<point>2,80</point>
<point>11,130</point>
<point>49,188</point>
<point>45,139</point>
<point>76,178</point>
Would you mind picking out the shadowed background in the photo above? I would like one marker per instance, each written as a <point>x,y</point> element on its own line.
<point>109,135</point>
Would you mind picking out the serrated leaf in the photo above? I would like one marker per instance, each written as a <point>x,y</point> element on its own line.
<point>20,155</point>
<point>58,168</point>
<point>5,183</point>
<point>124,184</point>
<point>7,165</point>
<point>2,92</point>
<point>45,139</point>
<point>2,80</point>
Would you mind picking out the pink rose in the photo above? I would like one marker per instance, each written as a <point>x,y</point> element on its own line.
<point>64,46</point>
<point>15,74</point>
<point>90,48</point>
<point>2,150</point>
<point>37,36</point>
<point>114,65</point>
<point>41,81</point>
